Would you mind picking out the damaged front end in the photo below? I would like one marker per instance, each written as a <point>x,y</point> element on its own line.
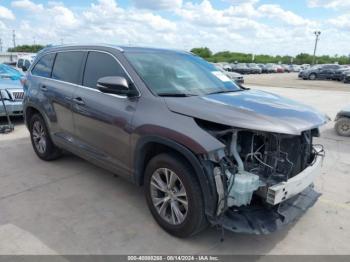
<point>263,180</point>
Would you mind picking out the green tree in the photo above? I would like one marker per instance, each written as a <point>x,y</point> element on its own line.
<point>232,57</point>
<point>203,52</point>
<point>26,48</point>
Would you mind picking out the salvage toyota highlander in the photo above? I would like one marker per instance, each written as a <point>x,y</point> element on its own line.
<point>206,150</point>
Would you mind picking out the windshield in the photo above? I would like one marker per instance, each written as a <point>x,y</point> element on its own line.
<point>171,73</point>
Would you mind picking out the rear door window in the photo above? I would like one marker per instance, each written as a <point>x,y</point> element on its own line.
<point>100,65</point>
<point>44,67</point>
<point>68,66</point>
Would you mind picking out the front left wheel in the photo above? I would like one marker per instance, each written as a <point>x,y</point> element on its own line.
<point>174,195</point>
<point>41,141</point>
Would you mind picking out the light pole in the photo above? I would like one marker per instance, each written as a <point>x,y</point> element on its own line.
<point>317,34</point>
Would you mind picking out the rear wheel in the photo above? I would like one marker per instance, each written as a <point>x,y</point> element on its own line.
<point>174,196</point>
<point>41,141</point>
<point>342,126</point>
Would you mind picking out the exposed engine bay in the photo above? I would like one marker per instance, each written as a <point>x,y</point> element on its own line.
<point>261,168</point>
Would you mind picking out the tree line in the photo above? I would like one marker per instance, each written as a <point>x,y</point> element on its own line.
<point>232,57</point>
<point>26,48</point>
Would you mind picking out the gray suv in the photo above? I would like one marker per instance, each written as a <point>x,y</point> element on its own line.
<point>206,150</point>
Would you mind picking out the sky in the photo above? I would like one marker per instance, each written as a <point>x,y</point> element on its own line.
<point>272,27</point>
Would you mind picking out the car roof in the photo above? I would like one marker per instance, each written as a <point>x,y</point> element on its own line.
<point>116,47</point>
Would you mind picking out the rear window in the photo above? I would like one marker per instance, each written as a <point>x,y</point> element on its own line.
<point>44,66</point>
<point>68,66</point>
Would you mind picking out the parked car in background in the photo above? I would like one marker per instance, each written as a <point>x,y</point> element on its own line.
<point>254,68</point>
<point>319,72</point>
<point>24,62</point>
<point>347,78</point>
<point>279,68</point>
<point>8,72</point>
<point>287,68</point>
<point>305,66</point>
<point>205,150</point>
<point>12,93</point>
<point>339,74</point>
<point>236,77</point>
<point>264,69</point>
<point>241,68</point>
<point>342,122</point>
<point>295,68</point>
<point>271,68</point>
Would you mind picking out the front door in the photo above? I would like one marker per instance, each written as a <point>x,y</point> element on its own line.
<point>102,121</point>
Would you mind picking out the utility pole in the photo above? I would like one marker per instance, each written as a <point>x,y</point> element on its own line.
<point>14,38</point>
<point>34,42</point>
<point>317,34</point>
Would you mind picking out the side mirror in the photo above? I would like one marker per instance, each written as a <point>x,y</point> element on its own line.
<point>114,85</point>
<point>24,68</point>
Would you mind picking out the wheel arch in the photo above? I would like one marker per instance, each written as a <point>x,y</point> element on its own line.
<point>150,146</point>
<point>29,111</point>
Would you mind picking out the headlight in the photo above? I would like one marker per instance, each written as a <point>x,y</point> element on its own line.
<point>4,94</point>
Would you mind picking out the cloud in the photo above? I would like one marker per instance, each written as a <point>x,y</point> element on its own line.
<point>341,22</point>
<point>27,5</point>
<point>6,13</point>
<point>242,26</point>
<point>157,4</point>
<point>275,11</point>
<point>333,4</point>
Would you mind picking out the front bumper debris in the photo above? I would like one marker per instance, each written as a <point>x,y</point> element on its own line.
<point>261,219</point>
<point>285,190</point>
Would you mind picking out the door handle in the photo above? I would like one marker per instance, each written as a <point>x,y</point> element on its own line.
<point>79,101</point>
<point>43,88</point>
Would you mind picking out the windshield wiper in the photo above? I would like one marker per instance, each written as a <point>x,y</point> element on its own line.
<point>175,94</point>
<point>225,91</point>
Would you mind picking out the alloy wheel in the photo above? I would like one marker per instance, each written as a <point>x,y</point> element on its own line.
<point>39,137</point>
<point>169,196</point>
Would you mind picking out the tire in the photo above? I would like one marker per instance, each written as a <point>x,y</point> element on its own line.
<point>41,141</point>
<point>312,76</point>
<point>342,126</point>
<point>194,219</point>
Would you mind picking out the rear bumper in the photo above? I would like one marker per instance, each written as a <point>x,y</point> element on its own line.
<point>262,219</point>
<point>14,108</point>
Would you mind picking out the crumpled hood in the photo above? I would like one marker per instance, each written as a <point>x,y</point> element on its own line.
<point>250,109</point>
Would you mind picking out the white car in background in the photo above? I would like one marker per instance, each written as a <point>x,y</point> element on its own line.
<point>238,78</point>
<point>25,62</point>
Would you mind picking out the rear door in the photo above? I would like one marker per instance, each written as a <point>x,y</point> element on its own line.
<point>102,121</point>
<point>56,88</point>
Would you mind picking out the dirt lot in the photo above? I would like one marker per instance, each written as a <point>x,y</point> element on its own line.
<point>291,80</point>
<point>72,207</point>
